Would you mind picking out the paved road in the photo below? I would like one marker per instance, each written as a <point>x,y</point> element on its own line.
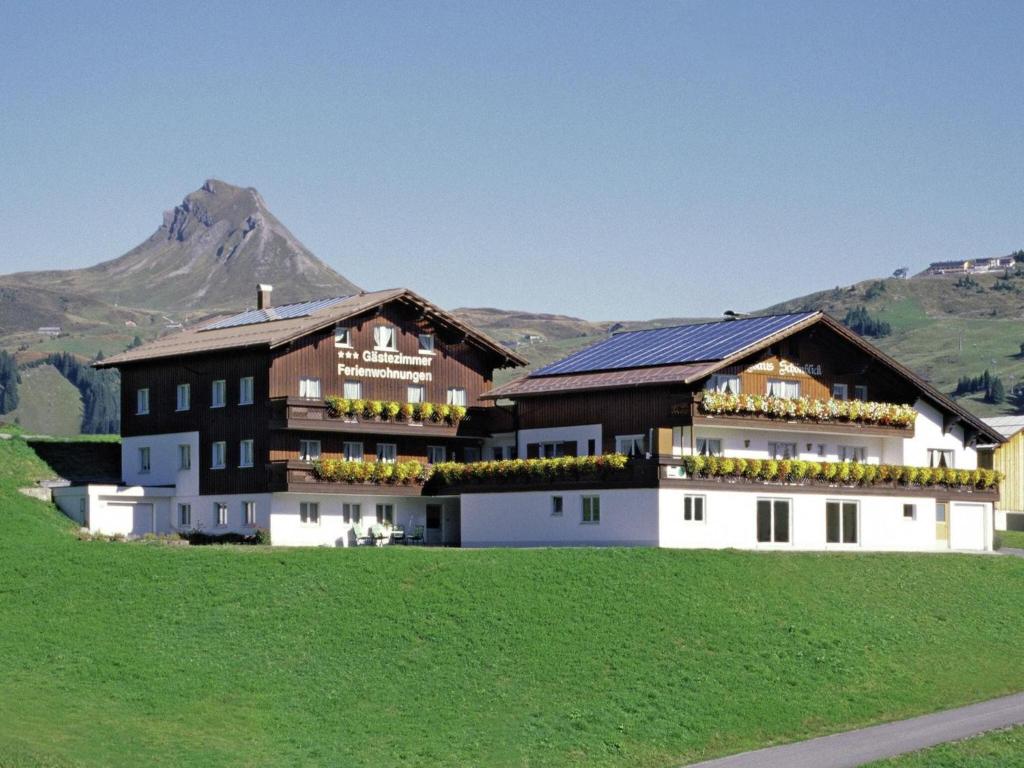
<point>853,748</point>
<point>1012,551</point>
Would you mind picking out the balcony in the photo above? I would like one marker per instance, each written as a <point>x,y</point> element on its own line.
<point>304,415</point>
<point>294,476</point>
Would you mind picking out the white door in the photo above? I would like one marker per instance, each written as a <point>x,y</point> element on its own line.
<point>967,526</point>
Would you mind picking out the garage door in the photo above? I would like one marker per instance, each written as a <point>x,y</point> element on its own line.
<point>131,519</point>
<point>967,526</point>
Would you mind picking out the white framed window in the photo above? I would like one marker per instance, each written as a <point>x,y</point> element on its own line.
<point>309,512</point>
<point>309,388</point>
<point>693,508</point>
<point>551,450</point>
<point>144,460</point>
<point>342,336</point>
<point>249,513</point>
<point>940,457</point>
<point>218,393</point>
<point>142,401</point>
<point>783,388</point>
<point>841,522</point>
<point>470,454</point>
<point>387,452</point>
<point>856,453</point>
<point>426,343</point>
<point>456,396</point>
<point>351,513</point>
<point>386,513</point>
<point>774,521</point>
<point>499,452</point>
<point>782,450</point>
<point>840,392</point>
<point>415,393</point>
<point>309,450</point>
<point>910,511</point>
<point>631,445</point>
<point>352,450</point>
<point>860,392</point>
<point>184,515</point>
<point>557,506</point>
<point>184,397</point>
<point>218,454</point>
<point>385,337</point>
<point>436,454</point>
<point>245,390</point>
<point>184,456</point>
<point>726,383</point>
<point>591,510</point>
<point>245,453</point>
<point>220,513</point>
<point>352,390</point>
<point>709,446</point>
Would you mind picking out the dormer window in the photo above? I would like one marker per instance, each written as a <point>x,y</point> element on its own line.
<point>426,343</point>
<point>385,337</point>
<point>342,336</point>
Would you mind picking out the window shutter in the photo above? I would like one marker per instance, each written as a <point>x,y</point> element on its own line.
<point>533,450</point>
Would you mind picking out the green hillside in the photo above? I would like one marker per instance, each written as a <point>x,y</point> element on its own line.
<point>118,654</point>
<point>48,404</point>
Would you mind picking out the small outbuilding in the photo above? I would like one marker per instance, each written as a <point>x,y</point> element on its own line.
<point>1008,458</point>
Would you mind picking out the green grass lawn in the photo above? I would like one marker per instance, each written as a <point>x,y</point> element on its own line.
<point>1001,749</point>
<point>48,403</point>
<point>1012,538</point>
<point>116,654</point>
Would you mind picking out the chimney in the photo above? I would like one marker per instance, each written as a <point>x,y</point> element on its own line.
<point>263,296</point>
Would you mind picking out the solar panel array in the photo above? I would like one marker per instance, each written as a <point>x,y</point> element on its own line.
<point>283,312</point>
<point>703,342</point>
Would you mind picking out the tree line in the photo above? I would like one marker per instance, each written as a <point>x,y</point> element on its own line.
<point>860,321</point>
<point>9,381</point>
<point>992,386</point>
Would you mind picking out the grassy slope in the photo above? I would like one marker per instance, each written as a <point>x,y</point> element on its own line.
<point>48,404</point>
<point>129,654</point>
<point>1002,749</point>
<point>1012,539</point>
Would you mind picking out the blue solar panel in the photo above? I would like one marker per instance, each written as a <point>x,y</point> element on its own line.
<point>284,312</point>
<point>703,342</point>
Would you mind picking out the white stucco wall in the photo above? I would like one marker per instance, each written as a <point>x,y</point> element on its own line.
<point>115,509</point>
<point>163,461</point>
<point>628,518</point>
<point>928,434</point>
<point>204,513</point>
<point>753,443</point>
<point>580,434</point>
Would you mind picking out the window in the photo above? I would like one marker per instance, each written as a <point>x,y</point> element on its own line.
<point>218,454</point>
<point>143,460</point>
<point>456,396</point>
<point>860,392</point>
<point>631,445</point>
<point>387,452</point>
<point>591,447</point>
<point>693,509</point>
<point>184,456</point>
<point>551,450</point>
<point>707,446</point>
<point>910,511</point>
<point>184,399</point>
<point>471,454</point>
<point>220,513</point>
<point>184,515</point>
<point>841,522</point>
<point>309,512</point>
<point>218,393</point>
<point>249,513</point>
<point>385,337</point>
<point>416,393</point>
<point>352,450</point>
<point>352,390</point>
<point>591,509</point>
<point>783,388</point>
<point>245,387</point>
<point>309,388</point>
<point>386,513</point>
<point>245,453</point>
<point>782,450</point>
<point>557,506</point>
<point>729,385</point>
<point>940,457</point>
<point>426,343</point>
<point>342,336</point>
<point>436,454</point>
<point>142,401</point>
<point>773,521</point>
<point>309,450</point>
<point>852,453</point>
<point>351,513</point>
<point>840,392</point>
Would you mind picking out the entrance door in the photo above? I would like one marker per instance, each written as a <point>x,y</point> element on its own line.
<point>451,529</point>
<point>942,523</point>
<point>433,528</point>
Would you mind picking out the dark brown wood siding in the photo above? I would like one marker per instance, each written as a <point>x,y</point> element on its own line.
<point>284,445</point>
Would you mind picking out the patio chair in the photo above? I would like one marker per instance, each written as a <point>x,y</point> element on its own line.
<point>361,537</point>
<point>416,537</point>
<point>380,535</point>
<point>397,536</point>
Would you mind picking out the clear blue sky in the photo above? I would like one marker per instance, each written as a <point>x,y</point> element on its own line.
<point>623,160</point>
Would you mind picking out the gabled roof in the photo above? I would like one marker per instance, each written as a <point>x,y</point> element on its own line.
<point>261,328</point>
<point>694,361</point>
<point>1007,426</point>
